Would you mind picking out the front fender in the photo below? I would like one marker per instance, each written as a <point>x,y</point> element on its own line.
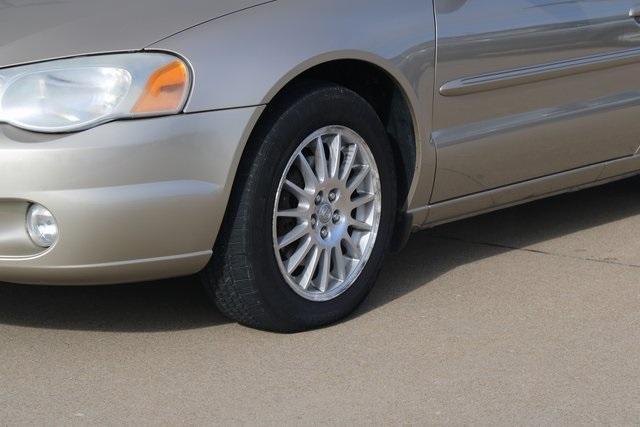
<point>246,58</point>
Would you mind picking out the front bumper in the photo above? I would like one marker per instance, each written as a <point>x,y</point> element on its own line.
<point>134,200</point>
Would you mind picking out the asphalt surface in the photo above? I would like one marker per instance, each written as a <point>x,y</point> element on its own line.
<point>525,316</point>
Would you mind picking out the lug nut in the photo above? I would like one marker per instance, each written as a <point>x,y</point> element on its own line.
<point>318,199</point>
<point>324,232</point>
<point>336,218</point>
<point>332,196</point>
<point>314,221</point>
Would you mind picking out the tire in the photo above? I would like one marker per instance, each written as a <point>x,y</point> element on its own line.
<point>247,277</point>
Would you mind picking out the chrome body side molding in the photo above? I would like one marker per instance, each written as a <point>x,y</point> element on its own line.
<point>537,73</point>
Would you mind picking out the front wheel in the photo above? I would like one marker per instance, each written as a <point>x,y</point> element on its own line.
<point>312,216</point>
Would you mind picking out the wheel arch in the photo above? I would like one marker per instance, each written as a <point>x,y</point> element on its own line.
<point>388,92</point>
<point>385,88</point>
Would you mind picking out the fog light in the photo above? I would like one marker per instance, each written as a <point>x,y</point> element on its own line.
<point>42,226</point>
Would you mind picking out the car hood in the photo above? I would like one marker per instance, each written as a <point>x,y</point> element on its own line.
<point>35,30</point>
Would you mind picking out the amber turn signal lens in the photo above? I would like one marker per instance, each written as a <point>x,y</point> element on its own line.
<point>165,90</point>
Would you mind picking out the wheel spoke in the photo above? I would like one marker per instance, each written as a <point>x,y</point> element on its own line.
<point>293,236</point>
<point>334,158</point>
<point>299,255</point>
<point>353,250</point>
<point>362,200</point>
<point>296,191</point>
<point>324,275</point>
<point>349,162</point>
<point>359,178</point>
<point>310,269</point>
<point>309,176</point>
<point>338,262</point>
<point>321,161</point>
<point>359,225</point>
<point>299,213</point>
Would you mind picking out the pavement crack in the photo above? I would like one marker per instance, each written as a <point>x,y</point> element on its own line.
<point>536,251</point>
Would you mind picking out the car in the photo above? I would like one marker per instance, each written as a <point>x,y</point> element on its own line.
<point>280,149</point>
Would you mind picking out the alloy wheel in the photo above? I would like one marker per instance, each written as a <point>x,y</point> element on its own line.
<point>327,213</point>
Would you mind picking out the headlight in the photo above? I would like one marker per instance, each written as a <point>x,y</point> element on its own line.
<point>75,94</point>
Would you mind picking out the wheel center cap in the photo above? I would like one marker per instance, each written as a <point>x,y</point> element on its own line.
<point>325,212</point>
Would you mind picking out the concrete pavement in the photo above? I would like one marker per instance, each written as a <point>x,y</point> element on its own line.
<point>525,316</point>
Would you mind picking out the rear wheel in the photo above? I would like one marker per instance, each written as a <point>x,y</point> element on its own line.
<point>312,216</point>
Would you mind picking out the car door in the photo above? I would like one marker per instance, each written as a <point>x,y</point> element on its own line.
<point>529,88</point>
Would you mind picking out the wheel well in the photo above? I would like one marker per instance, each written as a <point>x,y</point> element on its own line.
<point>383,93</point>
<point>389,101</point>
